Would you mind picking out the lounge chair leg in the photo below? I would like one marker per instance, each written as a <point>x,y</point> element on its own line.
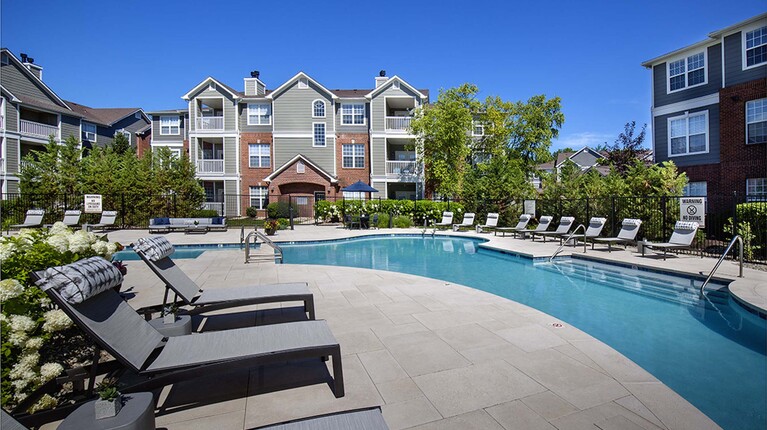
<point>309,307</point>
<point>338,373</point>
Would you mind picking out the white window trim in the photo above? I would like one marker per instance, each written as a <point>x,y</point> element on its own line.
<point>754,197</point>
<point>263,196</point>
<point>686,71</point>
<point>268,113</point>
<point>124,132</point>
<point>743,46</point>
<point>352,124</point>
<point>353,156</point>
<point>324,108</point>
<point>95,132</point>
<point>173,119</point>
<point>260,156</point>
<point>686,117</point>
<point>314,134</point>
<point>474,126</point>
<point>745,114</point>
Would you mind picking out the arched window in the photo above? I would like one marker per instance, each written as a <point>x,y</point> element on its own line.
<point>318,109</point>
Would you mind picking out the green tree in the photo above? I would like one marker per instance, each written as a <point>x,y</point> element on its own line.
<point>532,126</point>
<point>120,145</point>
<point>55,170</point>
<point>626,150</point>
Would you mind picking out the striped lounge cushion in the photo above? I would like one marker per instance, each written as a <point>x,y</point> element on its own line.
<point>81,280</point>
<point>155,248</point>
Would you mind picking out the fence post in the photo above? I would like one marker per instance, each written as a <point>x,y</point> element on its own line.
<point>122,208</point>
<point>588,213</point>
<point>734,213</point>
<point>663,216</point>
<point>290,211</point>
<point>175,211</point>
<point>612,209</point>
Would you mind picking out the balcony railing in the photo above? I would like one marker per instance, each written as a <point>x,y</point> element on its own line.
<point>2,122</point>
<point>216,206</point>
<point>398,123</point>
<point>2,165</point>
<point>401,168</point>
<point>37,129</point>
<point>210,166</point>
<point>210,123</point>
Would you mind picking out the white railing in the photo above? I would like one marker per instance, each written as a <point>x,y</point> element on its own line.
<point>398,123</point>
<point>2,165</point>
<point>401,168</point>
<point>31,127</point>
<point>210,166</point>
<point>210,123</point>
<point>216,206</point>
<point>2,122</point>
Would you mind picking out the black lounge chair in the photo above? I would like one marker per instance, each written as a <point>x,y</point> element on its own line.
<point>190,294</point>
<point>152,360</point>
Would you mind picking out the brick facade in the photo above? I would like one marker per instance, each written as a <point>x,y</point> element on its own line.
<point>253,176</point>
<point>289,181</point>
<point>348,176</point>
<point>144,143</point>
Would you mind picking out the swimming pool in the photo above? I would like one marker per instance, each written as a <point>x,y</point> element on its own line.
<point>181,251</point>
<point>712,351</point>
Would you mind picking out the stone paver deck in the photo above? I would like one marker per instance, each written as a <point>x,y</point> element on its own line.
<point>434,355</point>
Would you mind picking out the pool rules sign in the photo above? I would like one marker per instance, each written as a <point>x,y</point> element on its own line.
<point>92,203</point>
<point>693,209</point>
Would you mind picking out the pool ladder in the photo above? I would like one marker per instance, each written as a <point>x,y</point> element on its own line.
<point>426,228</point>
<point>562,245</point>
<point>738,239</point>
<point>253,237</point>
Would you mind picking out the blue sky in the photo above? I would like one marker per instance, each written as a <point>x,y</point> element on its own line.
<point>149,53</point>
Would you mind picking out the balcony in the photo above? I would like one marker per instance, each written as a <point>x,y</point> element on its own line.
<point>2,165</point>
<point>37,129</point>
<point>406,171</point>
<point>208,166</point>
<point>216,206</point>
<point>210,123</point>
<point>2,122</point>
<point>398,124</point>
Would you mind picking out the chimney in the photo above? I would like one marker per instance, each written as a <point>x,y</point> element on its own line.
<point>29,63</point>
<point>253,85</point>
<point>381,78</point>
<point>255,74</point>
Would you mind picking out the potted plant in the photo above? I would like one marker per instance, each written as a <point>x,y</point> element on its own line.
<point>169,314</point>
<point>270,226</point>
<point>109,402</point>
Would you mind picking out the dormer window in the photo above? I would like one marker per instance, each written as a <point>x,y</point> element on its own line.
<point>755,47</point>
<point>687,72</point>
<point>212,86</point>
<point>353,114</point>
<point>395,85</point>
<point>303,83</point>
<point>318,109</point>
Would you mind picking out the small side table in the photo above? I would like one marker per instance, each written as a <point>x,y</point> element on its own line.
<point>137,413</point>
<point>196,229</point>
<point>181,327</point>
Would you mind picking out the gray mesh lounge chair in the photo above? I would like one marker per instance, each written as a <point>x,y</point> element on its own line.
<point>490,223</point>
<point>681,238</point>
<point>7,422</point>
<point>628,234</point>
<point>71,219</point>
<point>107,220</point>
<point>363,419</point>
<point>521,226</point>
<point>468,221</point>
<point>543,225</point>
<point>447,220</point>
<point>565,224</point>
<point>34,218</point>
<point>201,301</point>
<point>154,361</point>
<point>592,231</point>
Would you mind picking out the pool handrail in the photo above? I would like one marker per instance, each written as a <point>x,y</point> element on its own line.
<point>562,245</point>
<point>258,235</point>
<point>738,239</point>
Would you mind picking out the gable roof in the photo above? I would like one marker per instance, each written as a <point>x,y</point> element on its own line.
<point>298,75</point>
<point>104,116</point>
<point>564,156</point>
<point>392,79</point>
<point>279,170</point>
<point>234,93</point>
<point>33,77</point>
<point>13,98</point>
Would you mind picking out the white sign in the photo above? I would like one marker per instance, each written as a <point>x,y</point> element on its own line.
<point>92,203</point>
<point>530,207</point>
<point>693,209</point>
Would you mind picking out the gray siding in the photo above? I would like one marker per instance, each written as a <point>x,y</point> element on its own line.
<point>12,156</point>
<point>378,154</point>
<point>131,124</point>
<point>585,158</point>
<point>105,136</point>
<point>157,137</point>
<point>244,127</point>
<point>286,148</point>
<point>733,56</point>
<point>229,106</point>
<point>13,186</point>
<point>230,155</point>
<point>660,136</point>
<point>11,116</point>
<point>292,110</point>
<point>250,87</point>
<point>232,198</point>
<point>15,81</point>
<point>340,128</point>
<point>714,79</point>
<point>70,126</point>
<point>378,105</point>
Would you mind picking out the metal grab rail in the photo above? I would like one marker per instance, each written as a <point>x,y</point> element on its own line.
<point>257,234</point>
<point>738,239</point>
<point>562,246</point>
<point>426,227</point>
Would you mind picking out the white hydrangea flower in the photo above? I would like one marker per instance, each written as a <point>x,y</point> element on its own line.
<point>59,241</point>
<point>111,249</point>
<point>20,384</point>
<point>29,359</point>
<point>22,323</point>
<point>18,338</point>
<point>79,242</point>
<point>9,289</point>
<point>45,402</point>
<point>3,318</point>
<point>56,320</point>
<point>99,247</point>
<point>34,343</point>
<point>25,368</point>
<point>26,235</point>
<point>49,371</point>
<point>6,250</point>
<point>59,228</point>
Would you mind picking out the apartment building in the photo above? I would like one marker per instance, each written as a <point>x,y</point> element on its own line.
<point>30,112</point>
<point>709,110</point>
<point>299,139</point>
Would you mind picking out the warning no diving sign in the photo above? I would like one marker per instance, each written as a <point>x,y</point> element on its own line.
<point>693,209</point>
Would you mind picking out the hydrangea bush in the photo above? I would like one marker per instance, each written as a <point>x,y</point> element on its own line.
<point>33,348</point>
<point>325,211</point>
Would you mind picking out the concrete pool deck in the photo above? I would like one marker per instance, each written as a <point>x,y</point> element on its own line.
<point>434,355</point>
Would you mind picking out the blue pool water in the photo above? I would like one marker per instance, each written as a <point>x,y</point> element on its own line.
<point>181,251</point>
<point>712,351</point>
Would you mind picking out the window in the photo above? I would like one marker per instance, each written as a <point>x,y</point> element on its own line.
<point>688,134</point>
<point>755,43</point>
<point>259,198</point>
<point>89,132</point>
<point>353,156</point>
<point>175,153</point>
<point>318,109</point>
<point>695,189</point>
<point>124,132</point>
<point>479,129</point>
<point>687,72</point>
<point>259,114</point>
<point>354,195</point>
<point>303,83</point>
<point>353,114</point>
<point>756,121</point>
<point>319,134</point>
<point>259,156</point>
<point>756,189</point>
<point>300,167</point>
<point>169,125</point>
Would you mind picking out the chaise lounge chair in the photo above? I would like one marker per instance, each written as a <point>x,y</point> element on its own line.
<point>155,252</point>
<point>490,223</point>
<point>521,226</point>
<point>468,221</point>
<point>362,419</point>
<point>628,234</point>
<point>33,218</point>
<point>447,220</point>
<point>543,225</point>
<point>107,220</point>
<point>71,219</point>
<point>84,291</point>
<point>681,238</point>
<point>563,229</point>
<point>592,231</point>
